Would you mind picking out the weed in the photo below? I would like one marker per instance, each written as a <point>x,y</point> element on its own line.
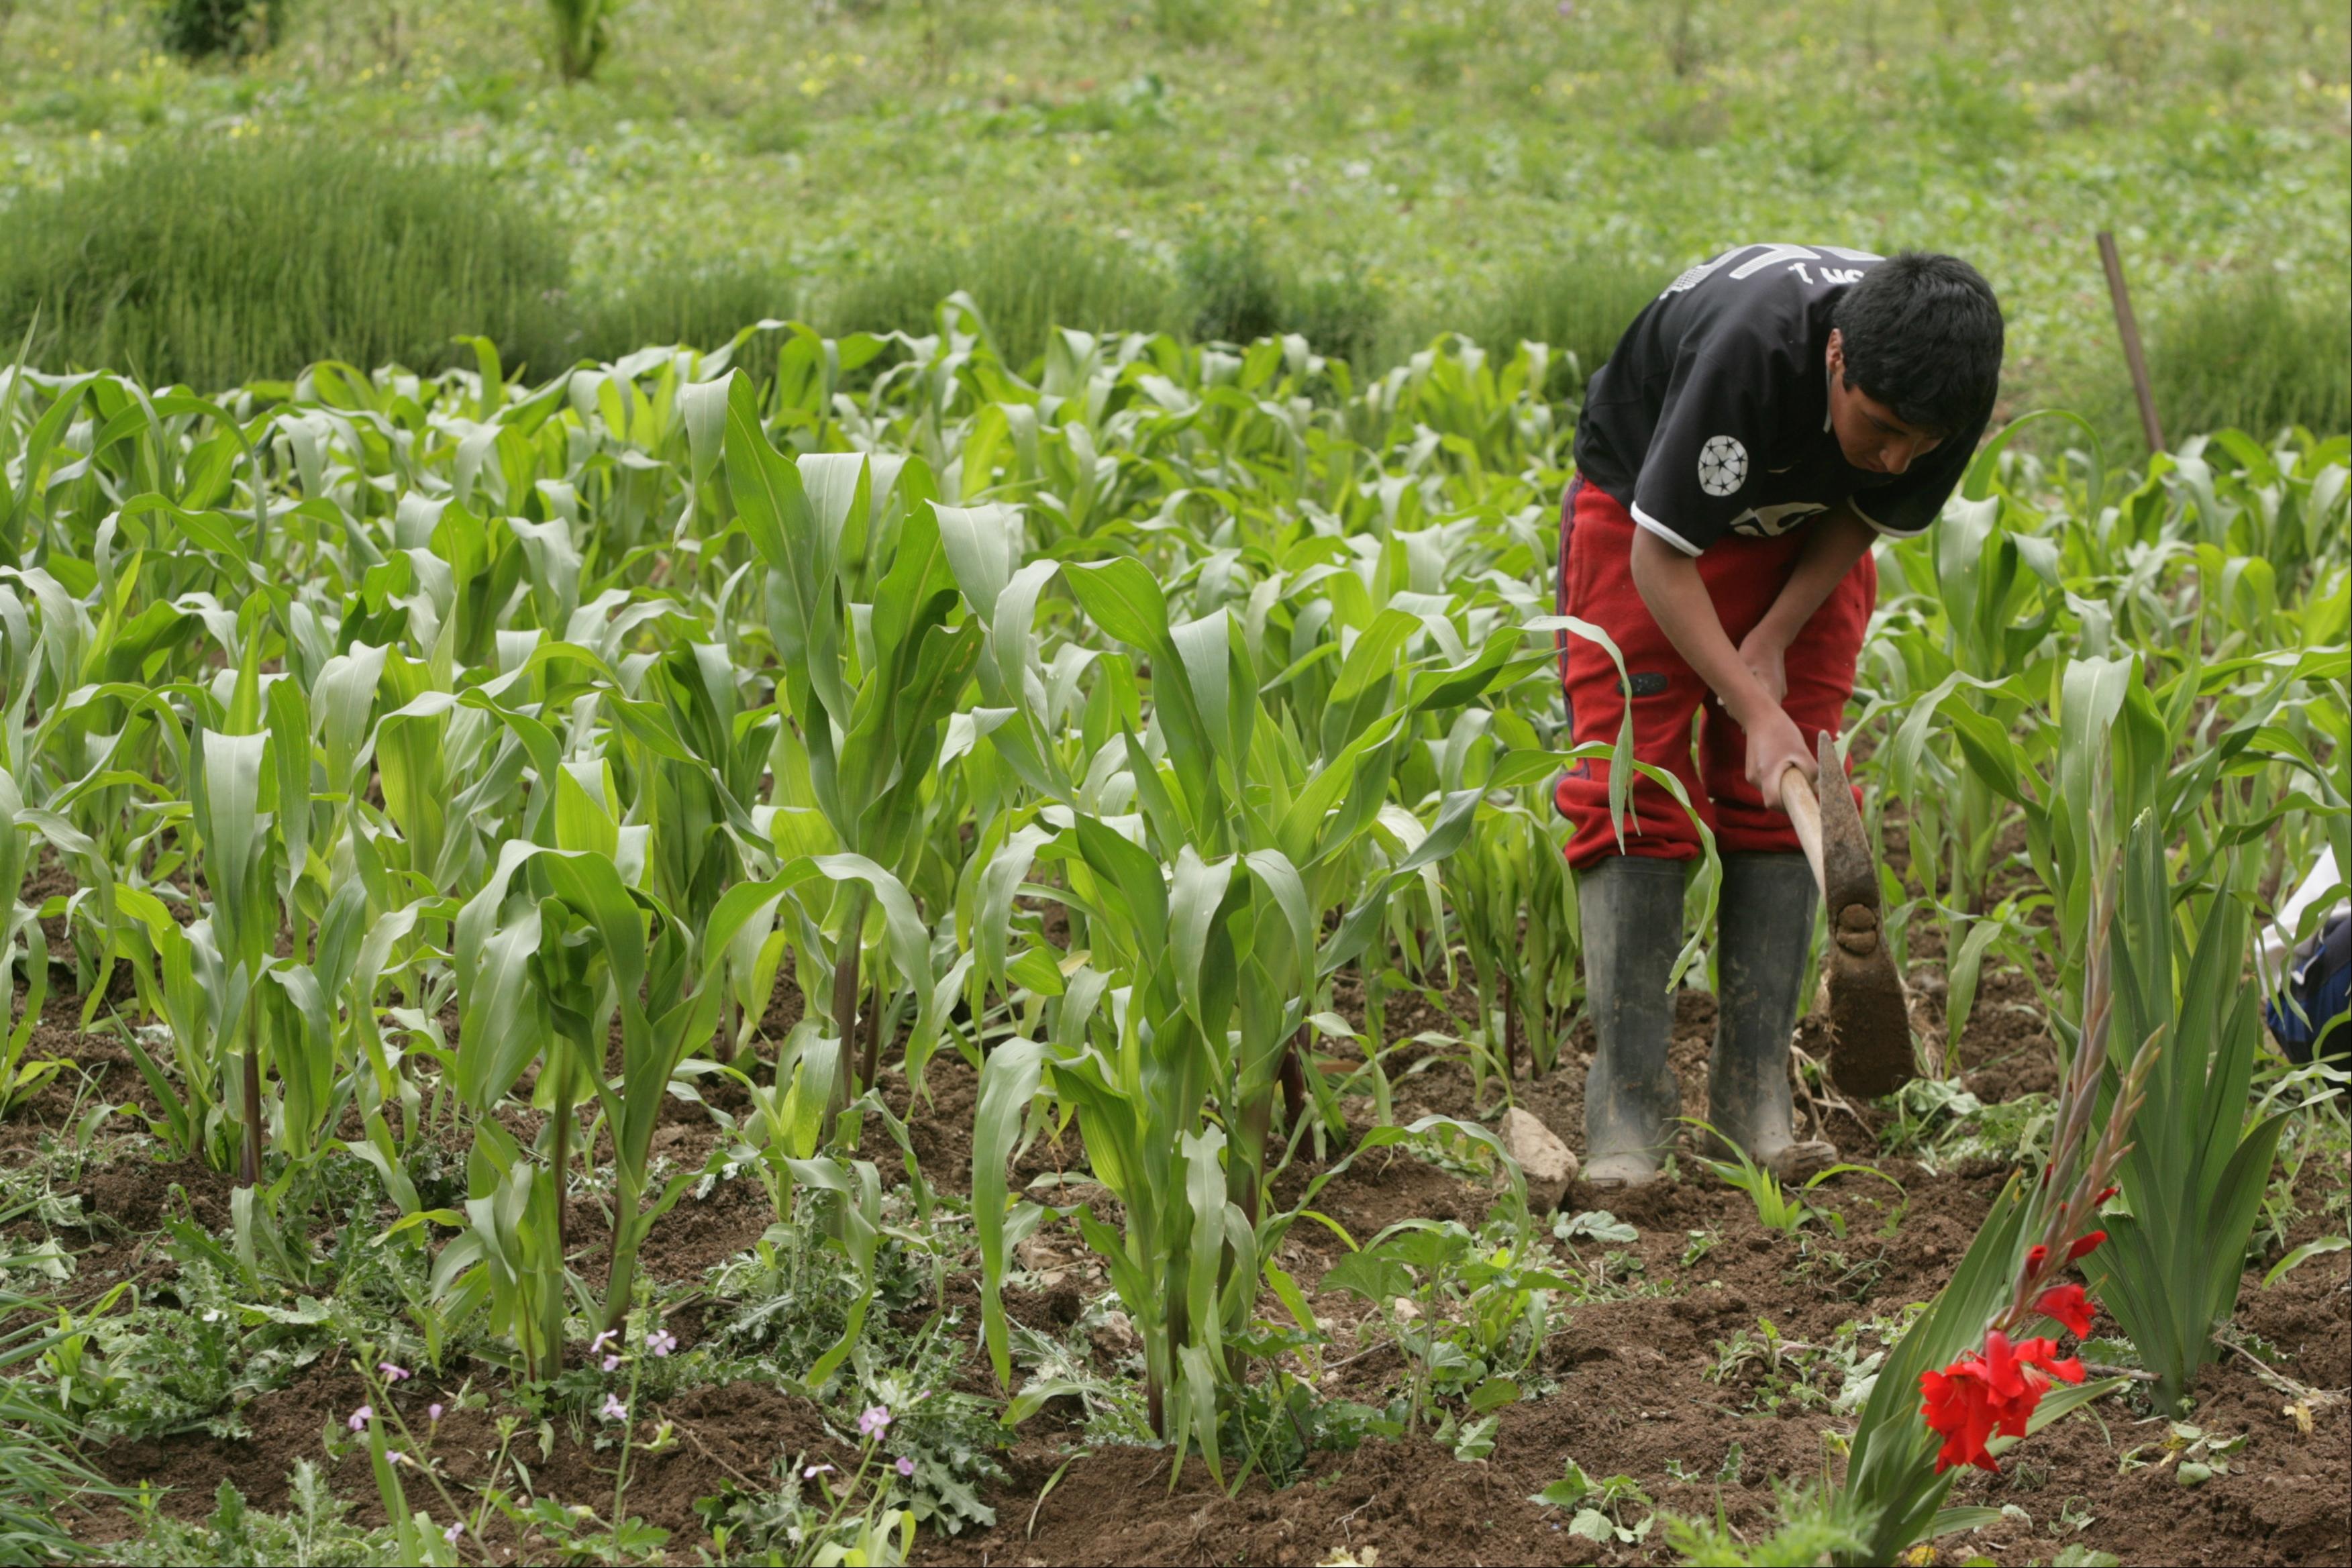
<point>2242,350</point>
<point>1578,302</point>
<point>1775,1208</point>
<point>212,263</point>
<point>1025,279</point>
<point>198,29</point>
<point>315,1527</point>
<point>1598,1509</point>
<point>1940,1125</point>
<point>1808,1528</point>
<point>1700,1244</point>
<point>1784,1374</point>
<point>1834,1273</point>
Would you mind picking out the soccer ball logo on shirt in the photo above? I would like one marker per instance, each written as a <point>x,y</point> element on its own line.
<point>1722,466</point>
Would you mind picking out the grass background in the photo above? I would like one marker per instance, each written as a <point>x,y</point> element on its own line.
<point>1367,172</point>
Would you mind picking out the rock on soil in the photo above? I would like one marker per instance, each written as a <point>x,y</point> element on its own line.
<point>1548,1162</point>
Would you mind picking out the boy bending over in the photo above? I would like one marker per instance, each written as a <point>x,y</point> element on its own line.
<point>1759,422</point>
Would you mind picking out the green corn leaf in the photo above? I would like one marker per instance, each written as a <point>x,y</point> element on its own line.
<point>1008,1083</point>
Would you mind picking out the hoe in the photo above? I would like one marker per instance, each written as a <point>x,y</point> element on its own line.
<point>1870,1026</point>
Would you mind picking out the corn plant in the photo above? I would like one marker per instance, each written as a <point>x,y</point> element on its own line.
<point>238,1011</point>
<point>543,968</point>
<point>1202,912</point>
<point>2222,774</point>
<point>555,950</point>
<point>1144,699</point>
<point>1514,907</point>
<point>1208,959</point>
<point>779,1139</point>
<point>24,947</point>
<point>866,687</point>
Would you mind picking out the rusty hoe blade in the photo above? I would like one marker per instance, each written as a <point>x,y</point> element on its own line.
<point>1869,1022</point>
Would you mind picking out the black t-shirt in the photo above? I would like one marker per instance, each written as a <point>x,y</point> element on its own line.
<point>1713,415</point>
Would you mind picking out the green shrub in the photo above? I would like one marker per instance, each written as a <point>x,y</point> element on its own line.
<point>1237,293</point>
<point>199,29</point>
<point>1030,277</point>
<point>217,264</point>
<point>582,35</point>
<point>1577,302</point>
<point>703,308</point>
<point>1196,24</point>
<point>2244,351</point>
<point>1025,279</point>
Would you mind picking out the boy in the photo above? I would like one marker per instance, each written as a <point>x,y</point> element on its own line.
<point>1758,423</point>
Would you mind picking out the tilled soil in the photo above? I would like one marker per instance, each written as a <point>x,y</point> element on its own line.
<point>720,1434</point>
<point>1640,1385</point>
<point>1636,1386</point>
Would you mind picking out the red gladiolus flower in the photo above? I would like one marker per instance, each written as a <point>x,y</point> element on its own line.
<point>2066,1304</point>
<point>2086,1242</point>
<point>1991,1393</point>
<point>1960,1405</point>
<point>2043,1355</point>
<point>2033,1257</point>
<point>2105,1192</point>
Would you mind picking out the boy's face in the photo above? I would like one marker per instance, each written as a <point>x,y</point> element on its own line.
<point>1873,436</point>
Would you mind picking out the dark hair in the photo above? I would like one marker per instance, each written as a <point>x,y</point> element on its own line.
<point>1922,334</point>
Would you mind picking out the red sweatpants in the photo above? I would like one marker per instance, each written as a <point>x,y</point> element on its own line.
<point>1743,575</point>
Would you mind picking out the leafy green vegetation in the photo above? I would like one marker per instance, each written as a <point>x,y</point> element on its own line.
<point>448,797</point>
<point>43,1482</point>
<point>1368,173</point>
<point>199,29</point>
<point>222,262</point>
<point>957,874</point>
<point>2254,352</point>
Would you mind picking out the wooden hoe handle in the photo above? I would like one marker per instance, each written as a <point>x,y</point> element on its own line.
<point>1804,809</point>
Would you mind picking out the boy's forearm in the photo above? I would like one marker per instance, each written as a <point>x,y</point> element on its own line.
<point>1677,597</point>
<point>1832,544</point>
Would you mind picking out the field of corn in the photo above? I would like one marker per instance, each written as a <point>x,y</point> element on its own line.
<point>911,935</point>
<point>844,950</point>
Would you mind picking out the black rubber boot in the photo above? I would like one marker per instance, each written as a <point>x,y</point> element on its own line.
<point>1764,922</point>
<point>1632,911</point>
